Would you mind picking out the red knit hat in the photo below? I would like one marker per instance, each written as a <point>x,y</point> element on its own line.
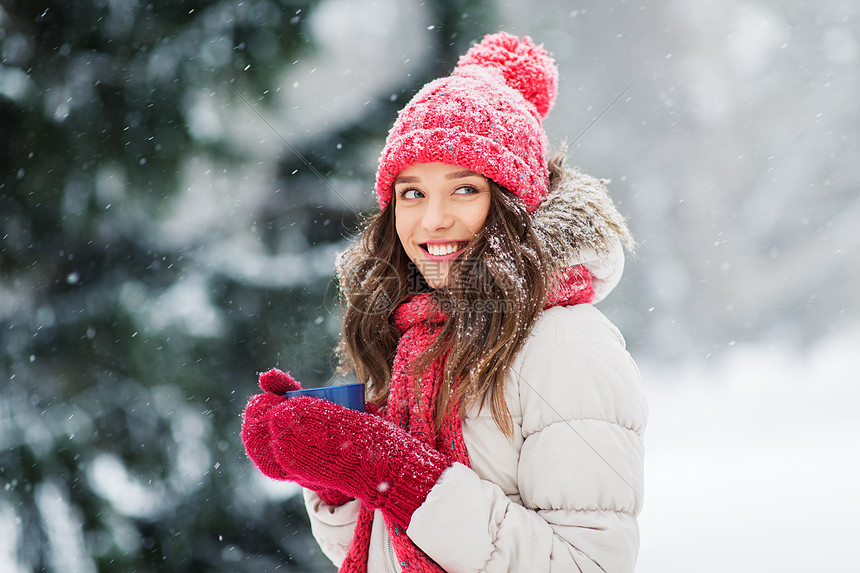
<point>486,117</point>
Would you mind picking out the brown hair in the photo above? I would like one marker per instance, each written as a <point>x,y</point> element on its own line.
<point>495,292</point>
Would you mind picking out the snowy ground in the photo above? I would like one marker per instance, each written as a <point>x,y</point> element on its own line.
<point>752,462</point>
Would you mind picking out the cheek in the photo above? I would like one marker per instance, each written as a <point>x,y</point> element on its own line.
<point>479,216</point>
<point>402,227</point>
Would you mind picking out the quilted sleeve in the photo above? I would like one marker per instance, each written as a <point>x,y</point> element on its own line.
<point>332,526</point>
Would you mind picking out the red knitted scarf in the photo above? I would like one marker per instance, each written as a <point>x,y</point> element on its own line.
<point>420,322</point>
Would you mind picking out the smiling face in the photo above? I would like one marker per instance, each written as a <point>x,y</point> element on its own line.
<point>438,209</point>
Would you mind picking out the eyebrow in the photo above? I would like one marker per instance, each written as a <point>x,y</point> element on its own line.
<point>453,175</point>
<point>405,179</point>
<point>462,174</point>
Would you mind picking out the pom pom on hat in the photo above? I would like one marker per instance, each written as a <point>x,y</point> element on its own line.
<point>525,67</point>
<point>485,117</point>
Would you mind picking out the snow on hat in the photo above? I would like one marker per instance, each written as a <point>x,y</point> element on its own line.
<point>486,117</point>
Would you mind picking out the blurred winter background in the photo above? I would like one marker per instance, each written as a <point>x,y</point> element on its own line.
<point>176,177</point>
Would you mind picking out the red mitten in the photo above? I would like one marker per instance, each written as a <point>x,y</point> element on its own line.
<point>356,453</point>
<point>255,434</point>
<point>255,431</point>
<point>278,382</point>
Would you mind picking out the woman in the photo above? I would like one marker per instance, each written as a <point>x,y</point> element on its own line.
<point>505,418</point>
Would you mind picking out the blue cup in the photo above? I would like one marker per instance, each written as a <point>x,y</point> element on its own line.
<point>347,395</point>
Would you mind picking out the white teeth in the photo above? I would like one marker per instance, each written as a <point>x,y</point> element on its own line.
<point>439,250</point>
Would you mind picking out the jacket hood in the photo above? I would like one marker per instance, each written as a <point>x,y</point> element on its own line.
<point>579,224</point>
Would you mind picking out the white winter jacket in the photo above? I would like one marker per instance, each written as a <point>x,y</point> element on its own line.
<point>563,495</point>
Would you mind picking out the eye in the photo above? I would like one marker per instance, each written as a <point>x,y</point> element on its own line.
<point>411,194</point>
<point>466,190</point>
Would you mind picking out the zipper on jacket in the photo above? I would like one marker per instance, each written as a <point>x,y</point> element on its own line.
<point>389,549</point>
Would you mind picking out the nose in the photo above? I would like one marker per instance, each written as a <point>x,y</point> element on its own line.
<point>437,215</point>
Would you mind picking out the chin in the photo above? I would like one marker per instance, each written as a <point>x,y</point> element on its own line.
<point>437,282</point>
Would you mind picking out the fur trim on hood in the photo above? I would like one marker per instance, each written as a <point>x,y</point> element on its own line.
<point>579,224</point>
